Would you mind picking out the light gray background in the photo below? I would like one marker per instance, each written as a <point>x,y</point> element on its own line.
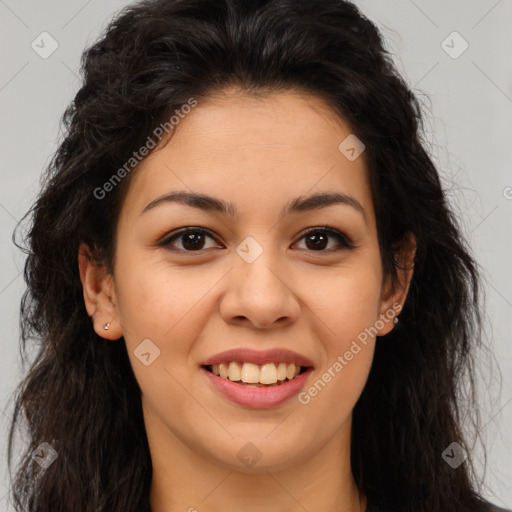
<point>468,103</point>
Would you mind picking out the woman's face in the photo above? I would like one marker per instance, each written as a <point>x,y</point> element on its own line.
<point>250,285</point>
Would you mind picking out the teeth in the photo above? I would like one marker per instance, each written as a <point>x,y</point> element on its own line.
<point>223,370</point>
<point>250,373</point>
<point>268,374</point>
<point>281,371</point>
<point>234,372</point>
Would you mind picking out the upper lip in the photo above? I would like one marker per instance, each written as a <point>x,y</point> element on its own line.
<point>247,355</point>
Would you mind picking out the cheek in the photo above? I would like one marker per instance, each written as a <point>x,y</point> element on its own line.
<point>170,310</point>
<point>348,344</point>
<point>159,302</point>
<point>347,301</point>
<point>346,308</point>
<point>170,307</point>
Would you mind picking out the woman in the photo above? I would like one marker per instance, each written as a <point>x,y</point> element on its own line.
<point>248,285</point>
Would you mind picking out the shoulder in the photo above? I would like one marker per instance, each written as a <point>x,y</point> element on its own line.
<point>493,508</point>
<point>487,506</point>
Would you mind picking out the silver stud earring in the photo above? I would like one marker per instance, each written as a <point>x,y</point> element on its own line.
<point>106,327</point>
<point>395,320</point>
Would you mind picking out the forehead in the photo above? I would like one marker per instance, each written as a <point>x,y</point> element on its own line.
<point>255,152</point>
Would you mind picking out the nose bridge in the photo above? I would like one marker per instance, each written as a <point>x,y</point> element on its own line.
<point>259,263</point>
<point>258,289</point>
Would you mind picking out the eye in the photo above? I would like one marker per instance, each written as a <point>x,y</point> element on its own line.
<point>318,238</point>
<point>190,239</point>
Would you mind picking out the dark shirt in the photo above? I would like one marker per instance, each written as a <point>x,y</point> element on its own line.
<point>489,508</point>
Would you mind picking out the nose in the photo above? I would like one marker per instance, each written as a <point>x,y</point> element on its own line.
<point>259,295</point>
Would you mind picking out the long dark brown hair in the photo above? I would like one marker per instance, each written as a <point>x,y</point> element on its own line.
<point>80,395</point>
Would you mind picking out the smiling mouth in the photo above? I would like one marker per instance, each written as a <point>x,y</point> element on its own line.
<point>254,375</point>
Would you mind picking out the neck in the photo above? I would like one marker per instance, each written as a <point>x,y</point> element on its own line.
<point>185,480</point>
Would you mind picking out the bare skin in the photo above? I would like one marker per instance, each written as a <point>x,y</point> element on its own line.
<point>258,154</point>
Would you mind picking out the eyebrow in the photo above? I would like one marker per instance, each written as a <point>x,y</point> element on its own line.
<point>300,204</point>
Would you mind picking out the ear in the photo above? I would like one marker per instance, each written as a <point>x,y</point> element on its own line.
<point>393,295</point>
<point>99,295</point>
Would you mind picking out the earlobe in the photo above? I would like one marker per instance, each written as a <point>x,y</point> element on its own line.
<point>99,295</point>
<point>395,294</point>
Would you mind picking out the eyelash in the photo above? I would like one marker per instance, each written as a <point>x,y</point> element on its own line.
<point>344,242</point>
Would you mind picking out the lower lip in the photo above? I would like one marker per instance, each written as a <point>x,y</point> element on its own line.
<point>255,397</point>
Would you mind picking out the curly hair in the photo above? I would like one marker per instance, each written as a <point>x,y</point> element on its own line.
<point>80,393</point>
